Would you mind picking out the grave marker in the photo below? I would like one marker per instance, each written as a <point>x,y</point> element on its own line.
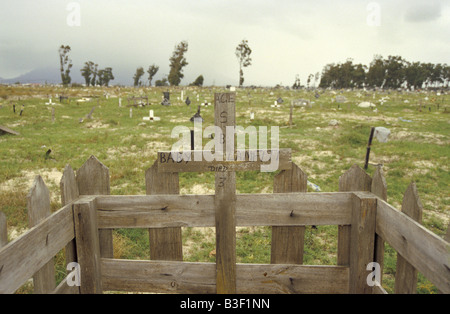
<point>89,115</point>
<point>49,102</point>
<point>197,116</point>
<point>275,105</point>
<point>4,129</point>
<point>151,117</point>
<point>225,184</point>
<point>225,202</point>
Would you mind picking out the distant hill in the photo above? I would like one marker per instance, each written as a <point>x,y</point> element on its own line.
<point>51,75</point>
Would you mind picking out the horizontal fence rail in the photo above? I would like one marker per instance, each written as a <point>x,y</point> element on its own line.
<point>23,257</point>
<point>426,251</point>
<point>282,209</point>
<point>186,277</point>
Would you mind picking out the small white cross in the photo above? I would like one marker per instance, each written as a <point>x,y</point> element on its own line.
<point>152,117</point>
<point>49,102</point>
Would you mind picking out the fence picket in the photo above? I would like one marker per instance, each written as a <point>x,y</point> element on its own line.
<point>69,192</point>
<point>379,188</point>
<point>165,243</point>
<point>288,242</point>
<point>88,247</point>
<point>38,205</point>
<point>93,179</point>
<point>406,274</point>
<point>362,241</point>
<point>355,179</point>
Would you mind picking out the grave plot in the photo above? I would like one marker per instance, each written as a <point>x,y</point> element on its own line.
<point>178,274</point>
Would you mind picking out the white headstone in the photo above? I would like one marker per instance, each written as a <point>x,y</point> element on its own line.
<point>382,134</point>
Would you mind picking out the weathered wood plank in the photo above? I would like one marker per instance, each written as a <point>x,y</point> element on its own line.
<point>379,188</point>
<point>166,243</point>
<point>3,230</point>
<point>355,179</point>
<point>93,179</point>
<point>4,129</point>
<point>186,162</point>
<point>38,206</point>
<point>197,278</point>
<point>362,241</point>
<point>68,186</point>
<point>24,256</point>
<point>287,242</point>
<point>281,209</point>
<point>406,274</point>
<point>69,192</point>
<point>88,247</point>
<point>225,199</point>
<point>429,253</point>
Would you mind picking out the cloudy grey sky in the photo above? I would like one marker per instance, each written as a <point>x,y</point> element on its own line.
<point>288,37</point>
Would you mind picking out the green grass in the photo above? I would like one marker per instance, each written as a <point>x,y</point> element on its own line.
<point>416,151</point>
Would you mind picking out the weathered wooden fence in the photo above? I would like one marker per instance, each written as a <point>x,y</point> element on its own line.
<point>83,228</point>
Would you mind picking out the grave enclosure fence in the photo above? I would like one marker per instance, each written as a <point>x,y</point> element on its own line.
<point>83,228</point>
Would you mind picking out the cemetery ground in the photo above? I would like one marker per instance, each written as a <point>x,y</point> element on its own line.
<point>326,139</point>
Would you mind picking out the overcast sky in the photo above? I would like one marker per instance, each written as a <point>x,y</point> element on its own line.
<point>288,37</point>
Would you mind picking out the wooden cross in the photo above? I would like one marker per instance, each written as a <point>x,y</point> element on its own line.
<point>225,187</point>
<point>151,117</point>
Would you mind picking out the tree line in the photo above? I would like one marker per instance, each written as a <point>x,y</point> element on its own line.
<point>91,73</point>
<point>392,72</point>
<point>176,63</point>
<point>94,76</point>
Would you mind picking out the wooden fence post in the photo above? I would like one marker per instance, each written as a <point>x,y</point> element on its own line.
<point>88,247</point>
<point>355,179</point>
<point>3,230</point>
<point>362,241</point>
<point>93,179</point>
<point>287,242</point>
<point>406,274</point>
<point>379,188</point>
<point>166,243</point>
<point>225,200</point>
<point>38,205</point>
<point>69,192</point>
